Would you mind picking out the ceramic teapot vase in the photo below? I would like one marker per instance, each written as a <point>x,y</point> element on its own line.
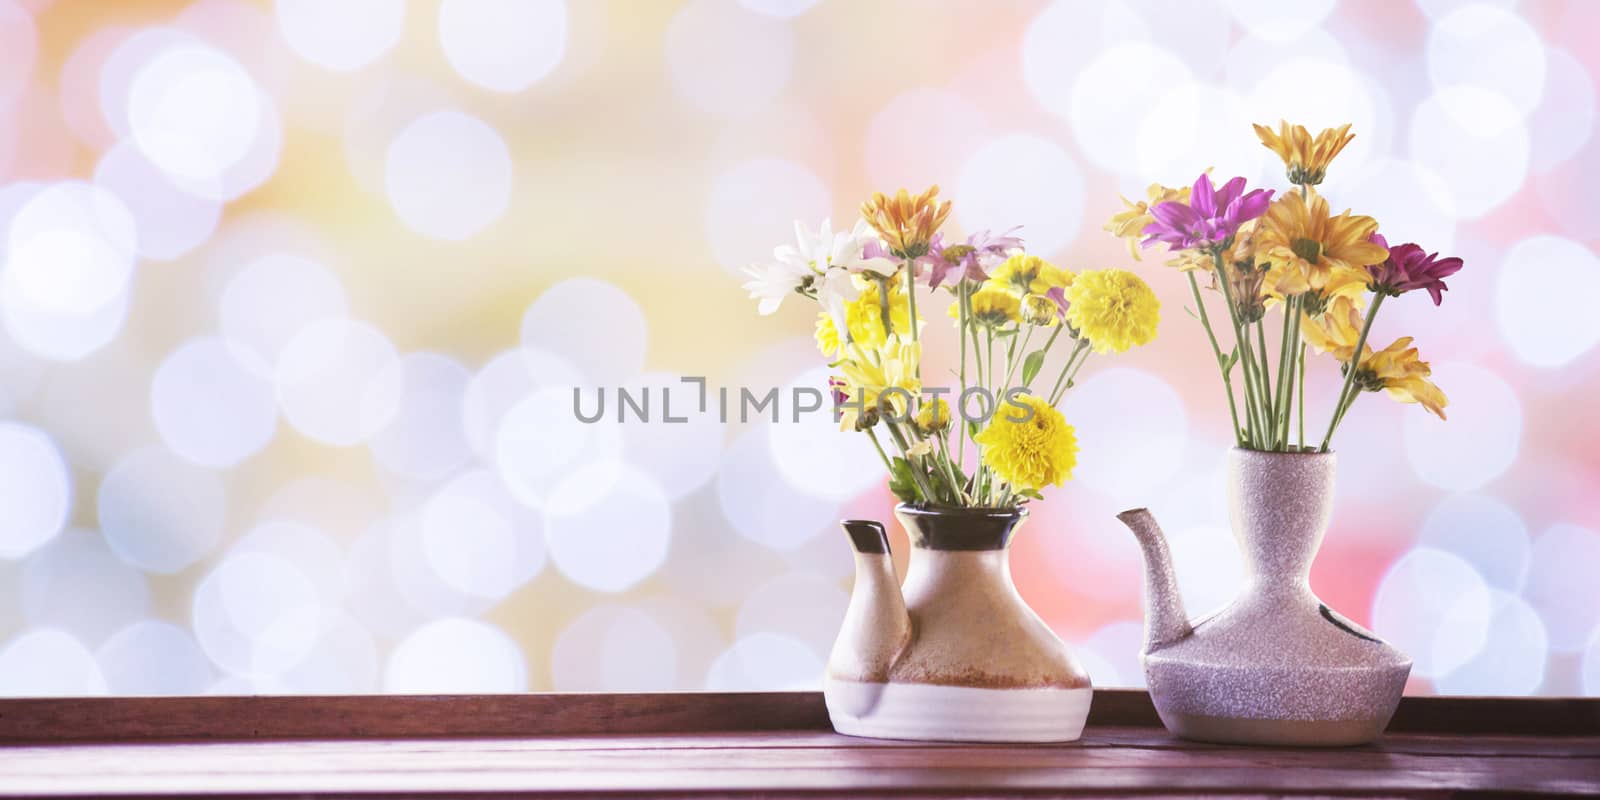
<point>956,655</point>
<point>1277,666</point>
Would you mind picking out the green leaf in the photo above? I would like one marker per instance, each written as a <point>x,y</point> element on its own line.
<point>1005,333</point>
<point>1031,494</point>
<point>1229,361</point>
<point>1031,366</point>
<point>901,483</point>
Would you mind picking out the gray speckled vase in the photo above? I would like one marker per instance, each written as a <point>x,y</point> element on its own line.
<point>1277,666</point>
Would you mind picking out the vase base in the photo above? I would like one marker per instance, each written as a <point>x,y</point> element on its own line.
<point>929,712</point>
<point>1280,732</point>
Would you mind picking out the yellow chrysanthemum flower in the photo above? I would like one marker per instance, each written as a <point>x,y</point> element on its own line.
<point>1336,331</point>
<point>1114,309</point>
<point>1311,251</point>
<point>1304,158</point>
<point>1397,370</point>
<point>1025,274</point>
<point>906,223</point>
<point>1129,223</point>
<point>864,316</point>
<point>1039,451</point>
<point>993,306</point>
<point>933,416</point>
<point>870,375</point>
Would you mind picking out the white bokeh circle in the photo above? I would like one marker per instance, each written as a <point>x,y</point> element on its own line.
<point>754,205</point>
<point>1544,328</point>
<point>1023,179</point>
<point>1486,532</point>
<point>343,36</point>
<point>503,45</point>
<point>1277,21</point>
<point>1561,584</point>
<point>425,440</point>
<point>1475,140</point>
<point>1513,660</point>
<point>256,614</point>
<point>614,649</point>
<point>1488,47</point>
<point>45,662</point>
<point>171,221</point>
<point>70,249</point>
<point>447,175</point>
<point>1113,93</point>
<point>35,489</point>
<point>809,450</point>
<point>726,60</point>
<point>194,111</point>
<point>76,584</point>
<point>159,512</point>
<point>455,656</point>
<point>1482,438</point>
<point>595,326</point>
<point>208,407</point>
<point>1126,462</point>
<point>271,299</point>
<point>765,662</point>
<point>1435,606</point>
<point>608,526</point>
<point>337,381</point>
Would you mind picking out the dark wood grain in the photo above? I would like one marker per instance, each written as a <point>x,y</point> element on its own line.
<point>797,763</point>
<point>741,745</point>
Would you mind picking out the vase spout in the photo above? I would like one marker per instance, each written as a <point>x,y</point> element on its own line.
<point>876,627</point>
<point>1165,621</point>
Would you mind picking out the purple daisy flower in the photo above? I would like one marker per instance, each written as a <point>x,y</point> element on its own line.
<point>1210,218</point>
<point>1408,268</point>
<point>981,253</point>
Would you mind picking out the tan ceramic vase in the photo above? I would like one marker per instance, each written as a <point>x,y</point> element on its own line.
<point>955,655</point>
<point>1277,666</point>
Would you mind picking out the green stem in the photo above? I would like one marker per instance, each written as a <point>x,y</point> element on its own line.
<point>1070,371</point>
<point>1252,389</point>
<point>881,454</point>
<point>911,304</point>
<point>1302,362</point>
<point>1012,362</point>
<point>961,333</point>
<point>1281,411</point>
<point>883,304</point>
<point>917,473</point>
<point>1267,396</point>
<point>1350,374</point>
<point>1227,371</point>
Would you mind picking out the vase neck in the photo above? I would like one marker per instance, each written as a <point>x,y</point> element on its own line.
<point>1280,504</point>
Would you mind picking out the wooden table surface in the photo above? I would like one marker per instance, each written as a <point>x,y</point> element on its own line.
<point>741,745</point>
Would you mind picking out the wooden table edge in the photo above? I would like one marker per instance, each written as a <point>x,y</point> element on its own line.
<point>122,719</point>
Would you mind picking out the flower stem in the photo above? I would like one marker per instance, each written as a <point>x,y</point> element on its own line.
<point>961,333</point>
<point>911,304</point>
<point>881,454</point>
<point>1246,358</point>
<point>1227,371</point>
<point>1011,363</point>
<point>1070,371</point>
<point>1350,374</point>
<point>917,474</point>
<point>1282,411</point>
<point>1302,362</point>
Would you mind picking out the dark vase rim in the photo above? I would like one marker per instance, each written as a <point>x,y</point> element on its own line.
<point>960,529</point>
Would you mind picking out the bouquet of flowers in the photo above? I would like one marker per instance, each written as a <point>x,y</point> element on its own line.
<point>1327,275</point>
<point>1010,309</point>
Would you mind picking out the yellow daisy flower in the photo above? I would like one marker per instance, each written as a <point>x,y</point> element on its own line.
<point>1114,309</point>
<point>1306,159</point>
<point>1397,370</point>
<point>1336,331</point>
<point>1025,274</point>
<point>1311,251</point>
<point>871,373</point>
<point>1038,451</point>
<point>906,223</point>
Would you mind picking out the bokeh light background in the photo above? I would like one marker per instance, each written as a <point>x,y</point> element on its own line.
<point>294,295</point>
